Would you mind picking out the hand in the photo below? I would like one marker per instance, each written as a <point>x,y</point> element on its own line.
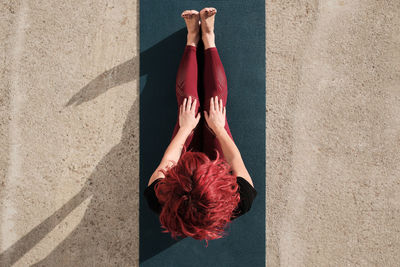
<point>187,117</point>
<point>216,118</point>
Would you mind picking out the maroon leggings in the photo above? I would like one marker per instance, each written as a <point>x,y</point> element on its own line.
<point>202,139</point>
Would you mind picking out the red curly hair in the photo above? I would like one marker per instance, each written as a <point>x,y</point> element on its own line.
<point>198,195</point>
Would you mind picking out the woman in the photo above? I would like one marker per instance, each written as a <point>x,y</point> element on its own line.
<point>198,192</point>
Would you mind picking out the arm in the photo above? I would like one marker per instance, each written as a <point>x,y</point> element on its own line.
<point>232,155</point>
<point>172,153</point>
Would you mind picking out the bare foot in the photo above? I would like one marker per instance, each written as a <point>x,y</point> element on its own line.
<point>192,20</point>
<point>207,16</point>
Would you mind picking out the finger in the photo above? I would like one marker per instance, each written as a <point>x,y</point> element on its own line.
<point>193,108</point>
<point>189,103</point>
<point>212,104</point>
<point>189,107</point>
<point>205,115</point>
<point>180,109</point>
<point>224,111</point>
<point>184,103</point>
<point>216,103</point>
<point>198,117</point>
<point>221,105</point>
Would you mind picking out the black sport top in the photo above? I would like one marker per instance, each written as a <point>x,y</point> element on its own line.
<point>246,190</point>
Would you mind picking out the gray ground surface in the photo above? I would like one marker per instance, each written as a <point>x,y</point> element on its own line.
<point>333,133</point>
<point>69,133</point>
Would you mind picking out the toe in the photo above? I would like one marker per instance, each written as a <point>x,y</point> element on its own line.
<point>210,11</point>
<point>186,13</point>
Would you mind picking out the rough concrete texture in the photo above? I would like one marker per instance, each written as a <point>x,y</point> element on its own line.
<point>69,133</point>
<point>333,133</point>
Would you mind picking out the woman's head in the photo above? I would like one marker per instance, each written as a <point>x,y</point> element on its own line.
<point>198,196</point>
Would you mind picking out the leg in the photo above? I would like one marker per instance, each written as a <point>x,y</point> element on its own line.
<point>186,79</point>
<point>215,83</point>
<point>186,85</point>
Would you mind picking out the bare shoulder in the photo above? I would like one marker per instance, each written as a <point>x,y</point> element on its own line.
<point>157,174</point>
<point>239,169</point>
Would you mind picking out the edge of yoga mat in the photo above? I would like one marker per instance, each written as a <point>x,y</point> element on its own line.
<point>241,47</point>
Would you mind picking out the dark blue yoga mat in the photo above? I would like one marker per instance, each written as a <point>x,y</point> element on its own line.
<point>240,40</point>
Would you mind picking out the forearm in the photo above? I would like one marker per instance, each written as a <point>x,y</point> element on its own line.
<point>174,150</point>
<point>229,147</point>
